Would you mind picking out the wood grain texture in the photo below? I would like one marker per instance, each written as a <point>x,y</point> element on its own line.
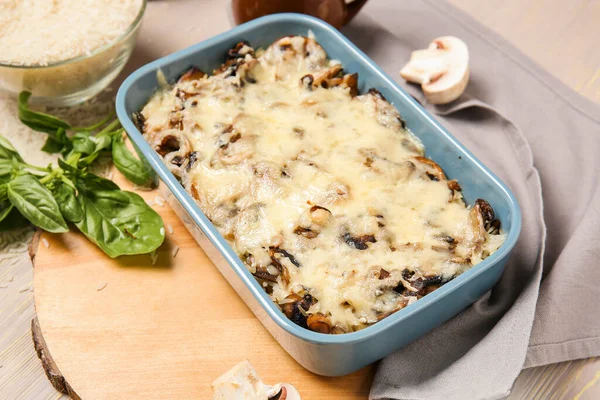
<point>126,329</point>
<point>559,35</point>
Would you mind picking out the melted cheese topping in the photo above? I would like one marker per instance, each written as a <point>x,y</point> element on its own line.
<point>324,194</point>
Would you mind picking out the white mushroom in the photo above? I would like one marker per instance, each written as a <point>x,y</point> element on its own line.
<point>242,383</point>
<point>442,70</point>
<point>283,391</point>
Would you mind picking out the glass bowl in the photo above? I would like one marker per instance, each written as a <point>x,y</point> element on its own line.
<point>72,81</point>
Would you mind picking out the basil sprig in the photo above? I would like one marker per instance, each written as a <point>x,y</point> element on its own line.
<point>118,222</point>
<point>85,143</point>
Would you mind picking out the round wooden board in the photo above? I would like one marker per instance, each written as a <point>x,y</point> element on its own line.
<point>126,329</point>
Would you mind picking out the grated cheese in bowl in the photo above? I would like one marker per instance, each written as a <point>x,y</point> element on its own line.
<point>65,51</point>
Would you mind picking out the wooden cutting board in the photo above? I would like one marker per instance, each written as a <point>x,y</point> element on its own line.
<point>126,329</point>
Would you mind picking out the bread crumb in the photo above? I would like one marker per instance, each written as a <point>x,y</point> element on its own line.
<point>102,287</point>
<point>45,242</point>
<point>170,229</point>
<point>175,251</point>
<point>3,286</point>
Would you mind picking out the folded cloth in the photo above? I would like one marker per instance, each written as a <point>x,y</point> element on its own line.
<point>513,116</point>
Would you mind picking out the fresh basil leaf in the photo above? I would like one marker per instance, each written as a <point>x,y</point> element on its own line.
<point>7,151</point>
<point>67,202</point>
<point>36,203</point>
<point>4,190</point>
<point>102,143</point>
<point>52,146</point>
<point>68,167</point>
<point>12,220</point>
<point>36,120</point>
<point>82,143</point>
<point>87,182</point>
<point>6,166</point>
<point>134,169</point>
<point>120,222</point>
<point>58,142</point>
<point>5,209</point>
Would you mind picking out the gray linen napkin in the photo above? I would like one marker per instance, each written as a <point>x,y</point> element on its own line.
<point>514,115</point>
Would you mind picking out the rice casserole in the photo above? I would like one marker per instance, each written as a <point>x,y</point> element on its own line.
<point>323,192</point>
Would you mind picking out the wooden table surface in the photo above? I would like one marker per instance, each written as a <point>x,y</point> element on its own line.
<point>560,35</point>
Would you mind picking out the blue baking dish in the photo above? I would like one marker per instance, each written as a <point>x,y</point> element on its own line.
<point>330,355</point>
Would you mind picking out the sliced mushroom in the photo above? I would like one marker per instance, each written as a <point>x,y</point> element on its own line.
<point>139,120</point>
<point>168,141</point>
<point>296,49</point>
<point>454,187</point>
<point>433,171</point>
<point>312,221</point>
<point>358,242</point>
<point>191,74</point>
<point>386,114</point>
<point>296,308</point>
<point>233,148</point>
<point>338,330</point>
<point>442,70</point>
<point>400,171</point>
<point>475,230</point>
<point>402,302</point>
<point>319,323</point>
<point>235,58</point>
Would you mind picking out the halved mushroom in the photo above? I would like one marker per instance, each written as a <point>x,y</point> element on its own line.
<point>442,70</point>
<point>242,382</point>
<point>283,391</point>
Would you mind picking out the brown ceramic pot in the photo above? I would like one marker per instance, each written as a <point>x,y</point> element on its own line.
<point>335,12</point>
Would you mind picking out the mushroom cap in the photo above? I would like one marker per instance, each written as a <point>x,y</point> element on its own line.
<point>290,391</point>
<point>442,69</point>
